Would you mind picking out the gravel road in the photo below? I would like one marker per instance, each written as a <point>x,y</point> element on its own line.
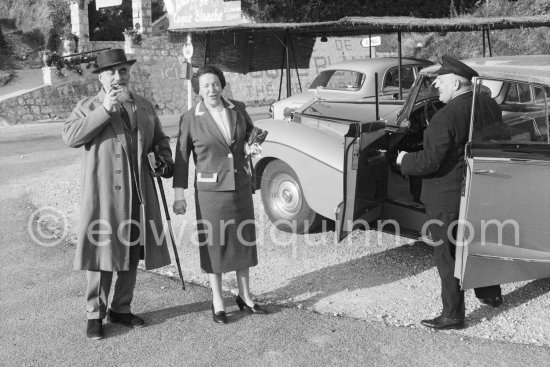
<point>371,275</point>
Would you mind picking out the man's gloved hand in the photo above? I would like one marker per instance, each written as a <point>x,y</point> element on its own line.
<point>158,170</point>
<point>159,166</point>
<point>180,206</point>
<point>168,167</point>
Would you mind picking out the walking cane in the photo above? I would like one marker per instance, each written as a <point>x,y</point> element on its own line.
<point>167,213</point>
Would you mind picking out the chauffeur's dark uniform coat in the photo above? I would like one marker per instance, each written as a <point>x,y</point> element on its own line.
<point>441,164</point>
<point>223,193</point>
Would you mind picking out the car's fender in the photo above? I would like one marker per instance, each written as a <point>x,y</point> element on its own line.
<point>316,156</point>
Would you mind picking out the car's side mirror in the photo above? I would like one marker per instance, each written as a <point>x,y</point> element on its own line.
<point>288,112</point>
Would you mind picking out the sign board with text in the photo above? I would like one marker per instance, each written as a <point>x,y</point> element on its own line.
<point>371,42</point>
<point>202,13</point>
<point>106,3</point>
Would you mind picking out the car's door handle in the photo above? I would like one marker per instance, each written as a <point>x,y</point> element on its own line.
<point>485,171</point>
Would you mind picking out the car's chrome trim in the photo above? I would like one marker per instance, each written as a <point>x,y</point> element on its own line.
<point>306,154</point>
<point>492,159</point>
<point>505,258</point>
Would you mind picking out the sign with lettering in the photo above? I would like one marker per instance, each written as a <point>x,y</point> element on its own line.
<point>202,13</point>
<point>371,42</point>
<point>106,3</point>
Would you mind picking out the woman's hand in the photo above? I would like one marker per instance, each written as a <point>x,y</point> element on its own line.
<point>255,150</point>
<point>180,206</point>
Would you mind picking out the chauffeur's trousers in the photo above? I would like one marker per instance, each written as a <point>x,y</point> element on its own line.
<point>451,294</point>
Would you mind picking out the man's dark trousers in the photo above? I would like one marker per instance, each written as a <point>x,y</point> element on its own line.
<point>451,294</point>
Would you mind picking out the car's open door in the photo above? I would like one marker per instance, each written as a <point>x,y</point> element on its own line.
<point>365,176</point>
<point>504,230</point>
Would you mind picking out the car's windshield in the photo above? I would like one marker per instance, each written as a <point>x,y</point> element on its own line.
<point>339,80</point>
<point>427,88</point>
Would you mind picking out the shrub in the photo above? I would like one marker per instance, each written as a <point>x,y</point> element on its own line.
<point>2,40</point>
<point>60,16</point>
<point>35,37</point>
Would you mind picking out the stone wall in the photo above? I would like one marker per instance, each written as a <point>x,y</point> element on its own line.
<point>98,45</point>
<point>157,76</point>
<point>46,103</point>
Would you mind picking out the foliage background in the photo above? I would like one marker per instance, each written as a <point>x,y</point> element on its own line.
<point>28,16</point>
<point>319,10</point>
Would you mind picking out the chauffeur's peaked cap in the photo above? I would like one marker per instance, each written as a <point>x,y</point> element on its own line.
<point>451,65</point>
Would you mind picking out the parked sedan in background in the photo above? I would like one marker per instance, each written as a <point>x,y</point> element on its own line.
<point>342,168</point>
<point>353,81</point>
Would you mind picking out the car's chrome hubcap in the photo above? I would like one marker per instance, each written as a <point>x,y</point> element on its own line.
<point>286,195</point>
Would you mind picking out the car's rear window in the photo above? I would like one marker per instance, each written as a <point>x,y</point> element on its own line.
<point>339,80</point>
<point>515,112</point>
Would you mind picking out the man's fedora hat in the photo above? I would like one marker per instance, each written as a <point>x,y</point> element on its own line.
<point>111,58</point>
<point>451,65</point>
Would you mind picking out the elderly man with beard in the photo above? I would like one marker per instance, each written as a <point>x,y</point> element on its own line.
<point>441,164</point>
<point>120,220</point>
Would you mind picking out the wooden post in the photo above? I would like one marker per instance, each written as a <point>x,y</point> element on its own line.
<point>400,65</point>
<point>287,61</point>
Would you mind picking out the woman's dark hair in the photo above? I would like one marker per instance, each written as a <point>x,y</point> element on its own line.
<point>207,69</point>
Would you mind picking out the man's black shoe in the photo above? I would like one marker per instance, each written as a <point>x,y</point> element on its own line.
<point>126,319</point>
<point>94,330</point>
<point>443,323</point>
<point>494,302</point>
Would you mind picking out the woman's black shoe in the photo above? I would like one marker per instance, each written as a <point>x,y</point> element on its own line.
<point>254,309</point>
<point>219,317</point>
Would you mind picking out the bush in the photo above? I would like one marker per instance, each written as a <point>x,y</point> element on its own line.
<point>60,16</point>
<point>526,41</point>
<point>54,40</point>
<point>7,23</point>
<point>35,37</point>
<point>2,40</point>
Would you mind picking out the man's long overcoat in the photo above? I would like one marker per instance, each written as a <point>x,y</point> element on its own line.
<point>106,184</point>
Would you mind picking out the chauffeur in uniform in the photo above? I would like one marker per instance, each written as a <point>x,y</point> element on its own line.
<point>440,164</point>
<point>119,205</point>
<point>215,131</point>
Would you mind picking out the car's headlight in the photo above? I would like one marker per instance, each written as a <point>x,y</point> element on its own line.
<point>271,112</point>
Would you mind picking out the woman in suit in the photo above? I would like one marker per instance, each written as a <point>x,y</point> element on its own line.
<point>215,131</point>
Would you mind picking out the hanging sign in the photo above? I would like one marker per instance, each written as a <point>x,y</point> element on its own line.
<point>106,3</point>
<point>371,42</point>
<point>202,13</point>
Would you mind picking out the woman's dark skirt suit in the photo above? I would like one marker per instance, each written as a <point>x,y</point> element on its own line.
<point>223,195</point>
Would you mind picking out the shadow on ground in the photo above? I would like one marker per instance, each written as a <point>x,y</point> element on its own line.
<point>512,300</point>
<point>368,271</point>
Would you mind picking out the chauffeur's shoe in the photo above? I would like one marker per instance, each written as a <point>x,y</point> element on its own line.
<point>219,317</point>
<point>444,323</point>
<point>494,302</point>
<point>126,319</point>
<point>94,329</point>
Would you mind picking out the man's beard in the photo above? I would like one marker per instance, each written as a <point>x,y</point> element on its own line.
<point>124,96</point>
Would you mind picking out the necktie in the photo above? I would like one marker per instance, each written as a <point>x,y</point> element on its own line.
<point>125,117</point>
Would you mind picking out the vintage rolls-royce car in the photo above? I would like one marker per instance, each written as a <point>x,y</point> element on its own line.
<point>355,80</point>
<point>342,168</point>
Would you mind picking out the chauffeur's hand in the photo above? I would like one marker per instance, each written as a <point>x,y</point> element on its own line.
<point>400,157</point>
<point>180,206</point>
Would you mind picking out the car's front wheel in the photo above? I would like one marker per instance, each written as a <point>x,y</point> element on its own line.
<point>284,201</point>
